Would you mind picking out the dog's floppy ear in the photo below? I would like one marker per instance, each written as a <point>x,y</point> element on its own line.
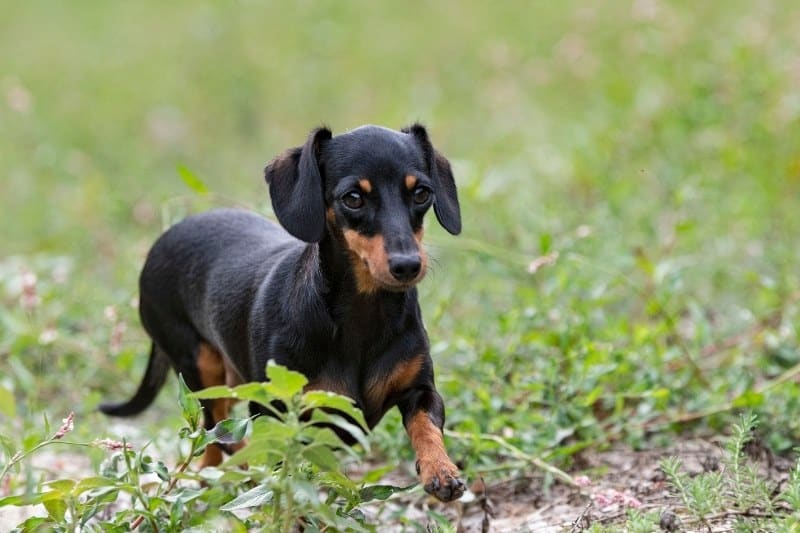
<point>296,188</point>
<point>445,203</point>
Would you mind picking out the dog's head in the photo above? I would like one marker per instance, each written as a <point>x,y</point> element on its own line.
<point>370,188</point>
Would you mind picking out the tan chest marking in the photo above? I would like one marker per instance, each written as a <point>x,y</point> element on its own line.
<point>401,378</point>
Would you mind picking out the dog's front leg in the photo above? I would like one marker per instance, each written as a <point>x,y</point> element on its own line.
<point>423,418</point>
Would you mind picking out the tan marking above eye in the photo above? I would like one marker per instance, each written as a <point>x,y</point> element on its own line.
<point>365,185</point>
<point>411,182</point>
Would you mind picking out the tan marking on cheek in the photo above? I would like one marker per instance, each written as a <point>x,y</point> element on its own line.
<point>366,185</point>
<point>369,260</point>
<point>411,182</point>
<point>401,378</point>
<point>423,254</point>
<point>330,216</point>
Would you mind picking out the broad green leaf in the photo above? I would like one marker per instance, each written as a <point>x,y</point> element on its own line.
<point>104,495</point>
<point>258,452</point>
<point>343,424</point>
<point>189,405</point>
<point>321,456</point>
<point>304,491</point>
<point>339,482</point>
<point>162,471</point>
<point>62,486</point>
<point>266,427</point>
<point>93,482</point>
<point>218,391</point>
<point>25,499</point>
<point>176,511</point>
<point>158,467</point>
<point>251,392</point>
<point>56,508</point>
<point>382,492</point>
<point>325,435</point>
<point>155,503</point>
<point>254,497</point>
<point>192,180</point>
<point>34,523</point>
<point>330,400</point>
<point>232,430</point>
<point>377,473</point>
<point>284,383</point>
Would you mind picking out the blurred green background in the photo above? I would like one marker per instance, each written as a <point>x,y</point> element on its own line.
<point>648,150</point>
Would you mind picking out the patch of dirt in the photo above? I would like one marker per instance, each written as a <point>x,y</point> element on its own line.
<point>613,482</point>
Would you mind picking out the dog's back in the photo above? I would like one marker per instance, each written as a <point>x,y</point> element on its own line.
<point>202,275</point>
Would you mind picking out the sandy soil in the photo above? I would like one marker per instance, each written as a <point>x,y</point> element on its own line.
<point>614,481</point>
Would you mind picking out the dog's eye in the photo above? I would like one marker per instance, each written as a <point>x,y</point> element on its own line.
<point>353,200</point>
<point>422,195</point>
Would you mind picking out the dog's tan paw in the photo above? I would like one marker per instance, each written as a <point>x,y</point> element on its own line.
<point>441,479</point>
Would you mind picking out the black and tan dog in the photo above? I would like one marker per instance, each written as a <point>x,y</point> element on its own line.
<point>223,292</point>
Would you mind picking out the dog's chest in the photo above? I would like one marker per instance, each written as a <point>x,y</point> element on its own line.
<point>373,355</point>
<point>376,386</point>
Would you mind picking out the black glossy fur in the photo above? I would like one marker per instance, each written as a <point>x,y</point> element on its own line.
<point>254,292</point>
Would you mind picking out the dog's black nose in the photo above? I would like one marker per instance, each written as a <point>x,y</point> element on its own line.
<point>405,267</point>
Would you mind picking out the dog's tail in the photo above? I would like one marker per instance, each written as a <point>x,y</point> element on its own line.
<point>154,378</point>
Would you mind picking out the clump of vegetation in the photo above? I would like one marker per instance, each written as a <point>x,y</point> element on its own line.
<point>741,490</point>
<point>292,476</point>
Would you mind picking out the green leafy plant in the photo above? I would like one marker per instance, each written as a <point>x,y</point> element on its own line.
<point>291,456</point>
<point>739,490</point>
<point>292,477</point>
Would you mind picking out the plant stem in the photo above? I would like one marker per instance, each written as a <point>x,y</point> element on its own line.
<point>173,479</point>
<point>19,456</point>
<point>519,454</point>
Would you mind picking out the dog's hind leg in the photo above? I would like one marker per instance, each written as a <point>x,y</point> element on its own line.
<point>212,371</point>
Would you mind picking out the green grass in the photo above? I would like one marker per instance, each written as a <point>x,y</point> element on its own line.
<point>654,152</point>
